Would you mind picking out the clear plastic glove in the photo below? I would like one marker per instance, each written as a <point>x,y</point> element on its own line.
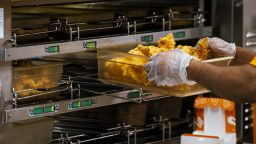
<point>169,68</point>
<point>220,47</point>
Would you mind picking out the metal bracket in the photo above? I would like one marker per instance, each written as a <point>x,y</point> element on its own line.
<point>115,96</point>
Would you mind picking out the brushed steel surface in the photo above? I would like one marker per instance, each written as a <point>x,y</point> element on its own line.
<point>23,113</point>
<point>77,46</point>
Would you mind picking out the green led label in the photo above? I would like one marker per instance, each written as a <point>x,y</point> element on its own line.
<point>75,105</point>
<point>88,103</point>
<point>42,110</point>
<point>37,111</point>
<point>90,44</point>
<point>180,34</point>
<point>80,104</point>
<point>52,49</point>
<point>133,94</point>
<point>147,38</point>
<point>49,109</point>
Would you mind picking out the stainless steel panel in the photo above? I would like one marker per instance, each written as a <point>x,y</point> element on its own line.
<point>223,20</point>
<point>6,133</point>
<point>24,113</point>
<point>26,52</point>
<point>5,67</point>
<point>5,75</point>
<point>5,80</point>
<point>5,4</point>
<point>47,2</point>
<point>249,19</point>
<point>77,46</point>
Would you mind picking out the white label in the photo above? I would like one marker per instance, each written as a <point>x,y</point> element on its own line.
<point>1,23</point>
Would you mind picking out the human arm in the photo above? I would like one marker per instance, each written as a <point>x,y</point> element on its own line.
<point>243,56</point>
<point>236,83</point>
<point>219,47</point>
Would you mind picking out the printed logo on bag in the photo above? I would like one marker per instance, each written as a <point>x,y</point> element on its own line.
<point>199,122</point>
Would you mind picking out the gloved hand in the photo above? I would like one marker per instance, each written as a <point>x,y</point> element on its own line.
<point>169,68</point>
<point>220,47</point>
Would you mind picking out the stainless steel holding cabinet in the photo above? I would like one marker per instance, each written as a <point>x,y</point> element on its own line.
<point>70,32</point>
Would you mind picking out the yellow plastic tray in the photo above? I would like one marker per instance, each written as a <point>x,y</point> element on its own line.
<point>132,73</point>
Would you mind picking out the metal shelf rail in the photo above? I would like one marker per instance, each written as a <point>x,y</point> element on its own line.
<point>27,52</point>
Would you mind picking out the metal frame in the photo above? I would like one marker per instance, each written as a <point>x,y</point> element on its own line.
<point>8,54</point>
<point>47,2</point>
<point>5,76</point>
<point>131,132</point>
<point>26,52</point>
<point>5,67</point>
<point>24,113</point>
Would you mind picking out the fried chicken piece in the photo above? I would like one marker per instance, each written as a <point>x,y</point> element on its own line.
<point>167,42</point>
<point>190,50</point>
<point>147,51</point>
<point>202,48</point>
<point>43,80</point>
<point>126,68</point>
<point>200,51</point>
<point>130,68</point>
<point>187,49</point>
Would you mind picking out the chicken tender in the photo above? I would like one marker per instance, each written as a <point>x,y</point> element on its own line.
<point>147,51</point>
<point>167,42</point>
<point>131,68</point>
<point>202,48</point>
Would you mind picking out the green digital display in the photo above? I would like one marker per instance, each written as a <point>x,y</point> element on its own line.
<point>42,110</point>
<point>52,49</point>
<point>49,109</point>
<point>133,94</point>
<point>90,44</point>
<point>180,34</point>
<point>76,104</point>
<point>147,38</point>
<point>89,102</point>
<point>80,104</point>
<point>37,111</point>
